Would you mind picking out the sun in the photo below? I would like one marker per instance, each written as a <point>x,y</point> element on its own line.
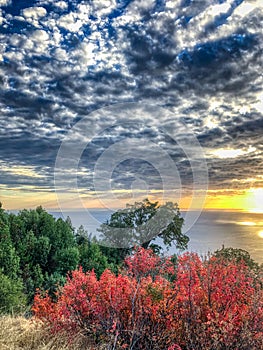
<point>254,200</point>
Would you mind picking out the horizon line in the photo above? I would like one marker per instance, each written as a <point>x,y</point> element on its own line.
<point>115,209</point>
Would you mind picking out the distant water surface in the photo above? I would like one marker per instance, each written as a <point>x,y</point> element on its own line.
<point>212,230</point>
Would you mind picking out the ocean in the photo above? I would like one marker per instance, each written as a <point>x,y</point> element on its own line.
<point>211,231</point>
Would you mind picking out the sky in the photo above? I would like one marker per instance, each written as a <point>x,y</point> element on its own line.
<point>105,102</point>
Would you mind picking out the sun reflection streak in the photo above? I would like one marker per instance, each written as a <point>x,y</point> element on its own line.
<point>247,223</point>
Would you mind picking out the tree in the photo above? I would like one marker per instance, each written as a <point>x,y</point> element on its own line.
<point>91,257</point>
<point>66,259</point>
<point>90,253</point>
<point>43,248</point>
<point>9,260</point>
<point>64,255</point>
<point>237,255</point>
<point>12,296</point>
<point>142,222</point>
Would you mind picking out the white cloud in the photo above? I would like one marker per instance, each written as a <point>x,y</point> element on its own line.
<point>61,54</point>
<point>192,34</point>
<point>218,9</point>
<point>5,2</point>
<point>87,53</point>
<point>52,24</point>
<point>15,56</point>
<point>61,4</point>
<point>84,10</point>
<point>70,22</point>
<point>34,12</point>
<point>99,52</point>
<point>40,35</point>
<point>27,44</point>
<point>210,122</point>
<point>259,104</point>
<point>57,37</point>
<point>18,18</point>
<point>103,8</point>
<point>248,6</point>
<point>141,5</point>
<point>239,18</point>
<point>37,42</point>
<point>173,4</point>
<point>224,153</point>
<point>134,12</point>
<point>33,15</point>
<point>242,14</point>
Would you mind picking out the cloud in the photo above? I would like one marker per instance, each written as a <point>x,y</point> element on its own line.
<point>61,4</point>
<point>23,171</point>
<point>200,60</point>
<point>70,22</point>
<point>34,13</point>
<point>5,2</point>
<point>103,8</point>
<point>231,153</point>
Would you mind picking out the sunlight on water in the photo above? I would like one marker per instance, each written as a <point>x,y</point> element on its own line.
<point>246,223</point>
<point>256,211</point>
<point>240,223</point>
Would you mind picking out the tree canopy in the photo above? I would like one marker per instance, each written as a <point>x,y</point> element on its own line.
<point>37,251</point>
<point>141,223</point>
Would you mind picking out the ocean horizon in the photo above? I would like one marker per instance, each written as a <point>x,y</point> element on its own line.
<point>212,230</point>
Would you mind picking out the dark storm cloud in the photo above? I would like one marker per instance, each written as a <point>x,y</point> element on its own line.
<point>61,60</point>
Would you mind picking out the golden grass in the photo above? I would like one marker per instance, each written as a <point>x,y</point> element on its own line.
<point>19,333</point>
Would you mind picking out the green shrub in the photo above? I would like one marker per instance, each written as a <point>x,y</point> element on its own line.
<point>12,298</point>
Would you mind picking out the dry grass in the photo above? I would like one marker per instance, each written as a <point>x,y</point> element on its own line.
<point>19,333</point>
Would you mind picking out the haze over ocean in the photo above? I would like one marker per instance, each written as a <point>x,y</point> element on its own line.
<point>212,230</point>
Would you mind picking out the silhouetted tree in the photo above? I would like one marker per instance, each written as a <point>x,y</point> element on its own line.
<point>141,223</point>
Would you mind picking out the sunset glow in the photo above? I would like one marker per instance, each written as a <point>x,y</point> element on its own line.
<point>250,200</point>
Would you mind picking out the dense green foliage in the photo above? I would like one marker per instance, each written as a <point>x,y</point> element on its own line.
<point>141,223</point>
<point>12,297</point>
<point>238,255</point>
<point>37,251</point>
<point>11,288</point>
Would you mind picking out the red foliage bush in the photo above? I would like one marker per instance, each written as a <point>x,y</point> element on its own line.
<point>210,304</point>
